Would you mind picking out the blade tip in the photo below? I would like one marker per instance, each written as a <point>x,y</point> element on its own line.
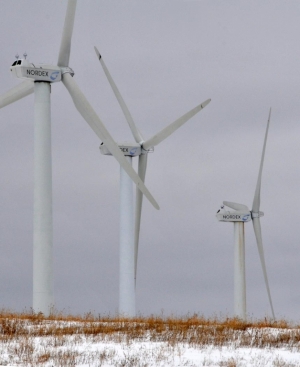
<point>205,103</point>
<point>154,203</point>
<point>97,52</point>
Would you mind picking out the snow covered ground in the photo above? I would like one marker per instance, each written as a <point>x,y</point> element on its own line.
<point>44,342</point>
<point>86,352</point>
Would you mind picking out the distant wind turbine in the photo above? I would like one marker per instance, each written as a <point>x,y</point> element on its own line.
<point>129,233</point>
<point>38,80</point>
<point>239,216</point>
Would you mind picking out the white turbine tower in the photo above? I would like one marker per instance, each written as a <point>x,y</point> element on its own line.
<point>129,233</point>
<point>239,216</point>
<point>38,78</point>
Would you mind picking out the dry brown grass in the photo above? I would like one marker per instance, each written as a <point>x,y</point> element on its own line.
<point>195,330</point>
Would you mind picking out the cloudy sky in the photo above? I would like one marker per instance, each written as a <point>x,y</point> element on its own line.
<point>166,57</point>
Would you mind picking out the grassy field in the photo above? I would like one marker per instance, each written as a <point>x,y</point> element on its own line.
<point>30,339</point>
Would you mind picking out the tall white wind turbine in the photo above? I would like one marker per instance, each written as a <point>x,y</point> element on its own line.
<point>38,79</point>
<point>239,216</point>
<point>129,232</point>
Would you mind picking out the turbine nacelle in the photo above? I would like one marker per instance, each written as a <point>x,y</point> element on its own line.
<point>241,213</point>
<point>129,149</point>
<point>235,216</point>
<point>23,69</point>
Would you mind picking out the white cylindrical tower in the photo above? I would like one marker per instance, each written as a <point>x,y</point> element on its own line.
<point>239,271</point>
<point>42,221</point>
<point>127,283</point>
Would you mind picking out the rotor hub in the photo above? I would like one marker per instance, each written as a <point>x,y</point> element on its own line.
<point>257,215</point>
<point>67,69</point>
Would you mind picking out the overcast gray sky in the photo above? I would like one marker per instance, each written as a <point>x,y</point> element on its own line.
<point>166,57</point>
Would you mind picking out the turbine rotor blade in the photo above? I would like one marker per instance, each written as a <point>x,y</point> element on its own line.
<point>256,199</point>
<point>14,94</point>
<point>138,209</point>
<point>65,45</point>
<point>167,131</point>
<point>236,206</point>
<point>135,132</point>
<point>257,231</point>
<point>90,116</point>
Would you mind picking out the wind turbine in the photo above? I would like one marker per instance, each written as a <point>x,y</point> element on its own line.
<point>38,79</point>
<point>129,233</point>
<point>239,216</point>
